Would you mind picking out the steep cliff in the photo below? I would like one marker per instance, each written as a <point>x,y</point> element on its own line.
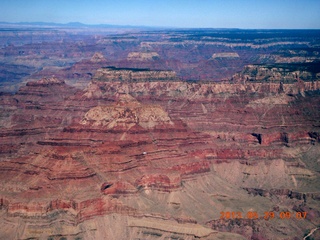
<point>123,74</point>
<point>285,72</point>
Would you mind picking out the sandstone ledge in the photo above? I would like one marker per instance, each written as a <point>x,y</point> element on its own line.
<point>133,74</point>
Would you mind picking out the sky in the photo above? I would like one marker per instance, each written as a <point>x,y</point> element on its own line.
<point>245,14</point>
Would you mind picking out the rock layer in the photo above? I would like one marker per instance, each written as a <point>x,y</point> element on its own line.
<point>115,74</point>
<point>158,158</point>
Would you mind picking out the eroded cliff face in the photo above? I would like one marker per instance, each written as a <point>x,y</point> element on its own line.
<point>127,113</point>
<point>143,56</point>
<point>160,159</point>
<point>133,75</point>
<point>284,72</point>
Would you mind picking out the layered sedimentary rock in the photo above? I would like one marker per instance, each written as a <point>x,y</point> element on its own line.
<point>225,55</point>
<point>127,113</point>
<point>123,74</point>
<point>159,159</point>
<point>285,72</point>
<point>142,56</point>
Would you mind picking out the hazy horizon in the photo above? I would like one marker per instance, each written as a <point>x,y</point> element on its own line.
<point>243,14</point>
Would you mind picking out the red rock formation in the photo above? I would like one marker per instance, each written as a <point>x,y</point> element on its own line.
<point>118,188</point>
<point>161,149</point>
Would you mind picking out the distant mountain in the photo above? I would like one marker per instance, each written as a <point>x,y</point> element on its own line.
<point>68,25</point>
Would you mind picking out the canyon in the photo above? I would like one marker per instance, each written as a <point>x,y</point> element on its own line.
<point>137,141</point>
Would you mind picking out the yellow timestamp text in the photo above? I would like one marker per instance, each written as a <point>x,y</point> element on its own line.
<point>266,216</point>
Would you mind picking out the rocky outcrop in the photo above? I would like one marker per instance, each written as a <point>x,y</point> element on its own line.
<point>98,57</point>
<point>159,181</point>
<point>133,75</point>
<point>281,72</point>
<point>47,89</point>
<point>118,188</point>
<point>143,56</point>
<point>99,88</point>
<point>127,113</point>
<point>45,82</point>
<point>225,55</point>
